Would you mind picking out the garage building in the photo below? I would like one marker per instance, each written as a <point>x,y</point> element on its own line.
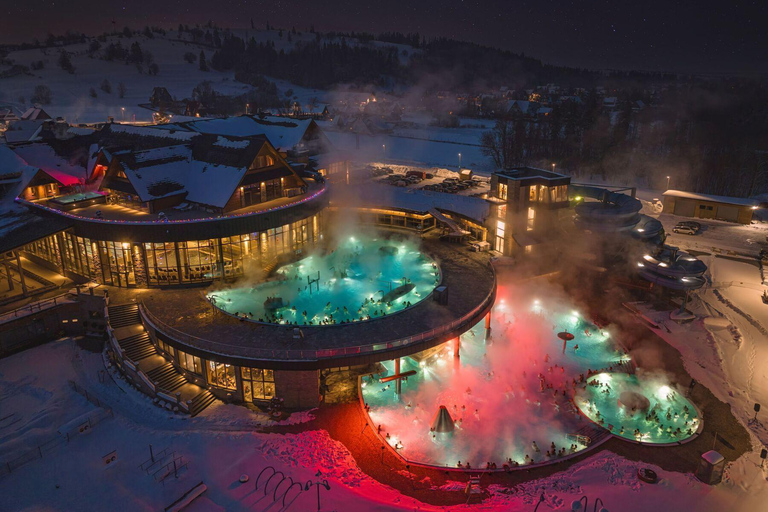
<point>706,206</point>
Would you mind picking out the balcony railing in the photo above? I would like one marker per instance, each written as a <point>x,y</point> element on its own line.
<point>316,354</point>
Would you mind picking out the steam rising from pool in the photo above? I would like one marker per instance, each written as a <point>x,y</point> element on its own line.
<point>510,396</point>
<point>362,278</point>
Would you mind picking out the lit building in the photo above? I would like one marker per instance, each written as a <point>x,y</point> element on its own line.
<point>528,204</point>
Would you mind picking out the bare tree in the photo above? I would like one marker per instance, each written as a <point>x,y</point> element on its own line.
<point>498,144</point>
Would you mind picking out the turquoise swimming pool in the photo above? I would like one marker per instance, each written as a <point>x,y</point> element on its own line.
<point>363,278</point>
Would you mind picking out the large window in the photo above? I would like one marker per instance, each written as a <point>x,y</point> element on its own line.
<point>531,219</point>
<point>162,267</point>
<point>119,270</point>
<point>198,260</point>
<point>221,375</point>
<point>500,228</point>
<point>189,362</point>
<point>258,384</point>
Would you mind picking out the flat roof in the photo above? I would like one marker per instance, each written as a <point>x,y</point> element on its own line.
<point>521,173</point>
<point>739,201</point>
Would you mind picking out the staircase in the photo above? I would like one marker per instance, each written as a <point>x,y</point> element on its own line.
<point>123,315</point>
<point>137,347</point>
<point>628,367</point>
<point>594,433</point>
<point>166,377</point>
<point>200,402</point>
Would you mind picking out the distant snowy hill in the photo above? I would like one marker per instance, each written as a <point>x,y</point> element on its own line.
<point>71,98</point>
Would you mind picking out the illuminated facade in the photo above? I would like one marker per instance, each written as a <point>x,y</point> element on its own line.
<point>527,206</point>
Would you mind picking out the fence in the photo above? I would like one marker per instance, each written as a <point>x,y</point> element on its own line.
<point>61,438</point>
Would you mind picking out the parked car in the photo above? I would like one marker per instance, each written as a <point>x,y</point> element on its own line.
<point>685,229</point>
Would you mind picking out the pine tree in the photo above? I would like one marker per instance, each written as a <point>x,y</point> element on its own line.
<point>203,64</point>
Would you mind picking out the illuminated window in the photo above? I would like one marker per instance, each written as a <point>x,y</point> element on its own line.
<point>502,211</point>
<point>221,375</point>
<point>258,384</point>
<point>500,227</point>
<point>532,193</point>
<point>531,218</point>
<point>502,191</point>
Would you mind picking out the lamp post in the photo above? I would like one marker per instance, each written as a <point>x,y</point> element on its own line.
<point>579,505</point>
<point>246,108</point>
<point>384,150</point>
<point>122,112</point>
<point>459,162</point>
<point>318,483</point>
<point>667,182</point>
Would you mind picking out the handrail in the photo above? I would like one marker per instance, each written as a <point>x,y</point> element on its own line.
<point>315,354</point>
<point>169,221</point>
<point>33,307</point>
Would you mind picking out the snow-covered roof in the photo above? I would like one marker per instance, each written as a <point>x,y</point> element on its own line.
<point>740,201</point>
<point>162,131</point>
<point>208,169</point>
<point>44,157</point>
<point>23,130</point>
<point>35,113</point>
<point>416,200</point>
<point>162,172</point>
<point>283,133</point>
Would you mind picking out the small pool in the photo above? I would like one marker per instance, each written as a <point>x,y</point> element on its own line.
<point>79,200</point>
<point>641,409</point>
<point>363,278</point>
<point>76,198</point>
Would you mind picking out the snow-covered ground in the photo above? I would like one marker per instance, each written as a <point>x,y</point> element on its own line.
<point>221,445</point>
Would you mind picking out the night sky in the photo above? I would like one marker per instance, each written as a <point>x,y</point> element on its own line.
<point>699,36</point>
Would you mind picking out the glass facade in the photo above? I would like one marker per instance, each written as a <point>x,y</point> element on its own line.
<point>221,375</point>
<point>127,264</point>
<point>258,384</point>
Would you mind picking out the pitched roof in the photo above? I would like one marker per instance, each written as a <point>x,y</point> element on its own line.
<point>35,113</point>
<point>24,130</point>
<point>69,171</point>
<point>208,169</point>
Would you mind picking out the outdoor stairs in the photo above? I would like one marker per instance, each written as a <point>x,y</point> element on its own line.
<point>200,402</point>
<point>271,265</point>
<point>628,367</point>
<point>138,346</point>
<point>166,377</point>
<point>122,315</point>
<point>595,433</point>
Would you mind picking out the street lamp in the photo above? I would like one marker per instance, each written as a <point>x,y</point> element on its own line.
<point>459,162</point>
<point>384,150</point>
<point>553,167</point>
<point>246,108</point>
<point>667,182</point>
<point>319,483</point>
<point>122,109</point>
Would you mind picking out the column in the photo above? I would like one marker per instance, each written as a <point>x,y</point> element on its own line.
<point>457,347</point>
<point>398,380</point>
<point>488,325</point>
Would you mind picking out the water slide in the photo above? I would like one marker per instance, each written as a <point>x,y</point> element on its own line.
<point>614,212</point>
<point>452,225</point>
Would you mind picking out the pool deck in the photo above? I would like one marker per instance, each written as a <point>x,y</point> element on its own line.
<point>191,321</point>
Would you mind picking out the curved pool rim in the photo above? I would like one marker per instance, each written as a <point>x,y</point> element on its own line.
<point>688,439</point>
<point>303,326</point>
